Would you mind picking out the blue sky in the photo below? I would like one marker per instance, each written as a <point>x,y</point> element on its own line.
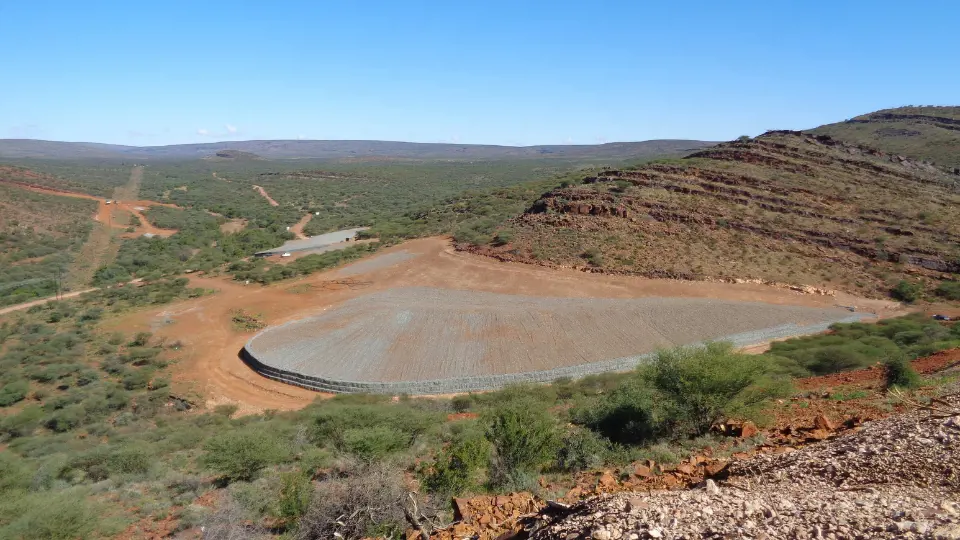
<point>513,72</point>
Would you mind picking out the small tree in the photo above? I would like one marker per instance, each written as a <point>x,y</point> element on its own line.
<point>949,290</point>
<point>458,466</point>
<point>700,386</point>
<point>524,437</point>
<point>900,374</point>
<point>13,392</point>
<point>580,450</point>
<point>907,291</point>
<point>240,455</point>
<point>629,414</point>
<point>296,492</point>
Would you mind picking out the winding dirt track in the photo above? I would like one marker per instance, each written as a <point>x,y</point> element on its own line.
<point>209,364</point>
<point>266,196</point>
<point>297,229</point>
<point>106,213</point>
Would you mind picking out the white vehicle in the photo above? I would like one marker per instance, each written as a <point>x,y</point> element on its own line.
<point>108,201</point>
<point>286,254</point>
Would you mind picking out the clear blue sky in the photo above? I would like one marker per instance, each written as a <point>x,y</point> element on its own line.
<point>469,71</point>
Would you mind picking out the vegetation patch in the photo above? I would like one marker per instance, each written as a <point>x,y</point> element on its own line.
<point>243,321</point>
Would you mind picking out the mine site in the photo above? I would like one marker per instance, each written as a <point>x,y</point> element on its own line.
<point>468,271</point>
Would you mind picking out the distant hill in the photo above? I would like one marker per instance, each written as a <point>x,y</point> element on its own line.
<point>785,207</point>
<point>298,149</point>
<point>233,155</point>
<point>930,133</point>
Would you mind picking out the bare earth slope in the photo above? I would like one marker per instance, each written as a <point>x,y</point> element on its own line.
<point>931,133</point>
<point>895,478</point>
<point>784,207</point>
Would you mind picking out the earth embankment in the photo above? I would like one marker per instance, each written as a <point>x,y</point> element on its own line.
<point>423,340</point>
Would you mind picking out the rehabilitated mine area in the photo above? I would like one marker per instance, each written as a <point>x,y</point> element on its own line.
<point>423,340</point>
<point>209,362</point>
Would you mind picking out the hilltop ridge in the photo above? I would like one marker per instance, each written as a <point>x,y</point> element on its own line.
<point>333,149</point>
<point>928,133</point>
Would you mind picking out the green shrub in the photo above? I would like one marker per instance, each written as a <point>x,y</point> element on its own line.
<point>699,386</point>
<point>949,290</point>
<point>314,459</point>
<point>524,437</point>
<point>22,423</point>
<point>581,449</point>
<point>130,459</point>
<point>66,419</point>
<point>907,291</point>
<point>335,418</point>
<point>226,410</point>
<point>13,392</point>
<point>137,379</point>
<point>859,345</point>
<point>296,492</point>
<point>835,359</point>
<point>140,339</point>
<point>627,415</point>
<point>104,462</point>
<point>462,403</point>
<point>65,515</point>
<point>241,454</point>
<point>457,467</point>
<point>900,374</point>
<point>13,473</point>
<point>593,256</point>
<point>374,443</point>
<point>503,238</point>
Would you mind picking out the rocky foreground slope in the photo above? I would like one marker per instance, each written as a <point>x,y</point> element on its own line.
<point>786,207</point>
<point>893,478</point>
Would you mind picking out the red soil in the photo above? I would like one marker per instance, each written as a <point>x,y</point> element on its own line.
<point>874,375</point>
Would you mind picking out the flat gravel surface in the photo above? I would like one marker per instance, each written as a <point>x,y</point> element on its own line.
<point>378,262</point>
<point>428,334</point>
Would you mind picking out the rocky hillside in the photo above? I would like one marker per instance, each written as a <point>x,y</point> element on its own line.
<point>893,478</point>
<point>931,133</point>
<point>784,207</point>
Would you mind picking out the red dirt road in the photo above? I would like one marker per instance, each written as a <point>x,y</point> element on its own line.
<point>106,212</point>
<point>297,229</point>
<point>269,199</point>
<point>209,361</point>
<point>145,226</point>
